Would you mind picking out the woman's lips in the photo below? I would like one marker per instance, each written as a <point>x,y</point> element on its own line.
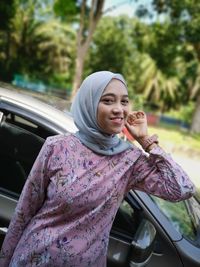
<point>117,120</point>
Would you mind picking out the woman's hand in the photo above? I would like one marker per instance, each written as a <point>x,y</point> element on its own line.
<point>137,125</point>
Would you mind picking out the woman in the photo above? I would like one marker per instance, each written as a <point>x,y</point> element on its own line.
<point>68,204</point>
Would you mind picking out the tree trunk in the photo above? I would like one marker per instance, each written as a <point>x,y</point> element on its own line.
<point>83,43</point>
<point>195,127</point>
<point>78,71</point>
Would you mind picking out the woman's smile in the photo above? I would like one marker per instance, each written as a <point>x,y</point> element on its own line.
<point>117,120</point>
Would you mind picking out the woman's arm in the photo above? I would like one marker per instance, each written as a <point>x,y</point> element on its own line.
<point>160,175</point>
<point>31,199</point>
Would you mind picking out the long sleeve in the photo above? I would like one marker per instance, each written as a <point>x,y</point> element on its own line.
<point>31,199</point>
<point>158,174</point>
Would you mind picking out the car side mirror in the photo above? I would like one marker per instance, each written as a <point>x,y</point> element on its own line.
<point>143,244</point>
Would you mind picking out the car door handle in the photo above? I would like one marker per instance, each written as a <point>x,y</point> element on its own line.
<point>3,230</point>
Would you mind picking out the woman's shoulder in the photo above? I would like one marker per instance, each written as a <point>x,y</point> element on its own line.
<point>133,151</point>
<point>60,138</point>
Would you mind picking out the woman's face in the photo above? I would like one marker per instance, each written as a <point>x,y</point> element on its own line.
<point>113,107</point>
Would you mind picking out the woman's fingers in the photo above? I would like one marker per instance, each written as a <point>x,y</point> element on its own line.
<point>136,117</point>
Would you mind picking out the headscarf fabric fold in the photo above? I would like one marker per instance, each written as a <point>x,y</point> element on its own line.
<point>84,112</point>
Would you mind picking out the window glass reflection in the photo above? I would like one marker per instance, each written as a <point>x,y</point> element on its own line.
<point>183,215</point>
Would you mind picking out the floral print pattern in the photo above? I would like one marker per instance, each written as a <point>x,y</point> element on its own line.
<point>70,199</point>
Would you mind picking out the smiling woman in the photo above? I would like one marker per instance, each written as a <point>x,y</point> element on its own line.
<point>85,113</point>
<point>78,181</point>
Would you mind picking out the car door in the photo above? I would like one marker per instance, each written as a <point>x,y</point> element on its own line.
<point>21,139</point>
<point>121,246</point>
<point>184,217</point>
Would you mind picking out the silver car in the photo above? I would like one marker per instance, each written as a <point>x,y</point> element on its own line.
<point>147,231</point>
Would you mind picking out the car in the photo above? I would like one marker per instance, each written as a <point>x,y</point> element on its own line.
<point>147,231</point>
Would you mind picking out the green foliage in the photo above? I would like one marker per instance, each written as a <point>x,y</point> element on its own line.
<point>138,102</point>
<point>110,44</point>
<point>185,18</point>
<point>184,113</point>
<point>114,49</point>
<point>159,60</point>
<point>7,12</point>
<point>67,9</point>
<point>150,57</point>
<point>60,80</point>
<point>183,30</point>
<point>34,47</point>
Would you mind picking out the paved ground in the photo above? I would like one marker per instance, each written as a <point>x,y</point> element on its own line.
<point>191,166</point>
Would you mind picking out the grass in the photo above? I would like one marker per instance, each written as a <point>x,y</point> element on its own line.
<point>177,140</point>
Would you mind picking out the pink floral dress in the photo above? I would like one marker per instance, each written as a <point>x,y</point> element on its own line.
<point>68,204</point>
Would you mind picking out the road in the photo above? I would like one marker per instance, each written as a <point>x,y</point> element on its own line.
<point>191,166</point>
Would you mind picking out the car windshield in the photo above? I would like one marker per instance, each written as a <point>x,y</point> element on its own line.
<point>184,216</point>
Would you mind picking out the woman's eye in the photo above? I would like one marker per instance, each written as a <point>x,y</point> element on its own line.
<point>107,101</point>
<point>125,102</point>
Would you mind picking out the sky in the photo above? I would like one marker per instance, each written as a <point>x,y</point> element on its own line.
<point>128,7</point>
<point>124,7</point>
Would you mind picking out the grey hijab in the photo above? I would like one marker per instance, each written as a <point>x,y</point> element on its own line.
<point>84,112</point>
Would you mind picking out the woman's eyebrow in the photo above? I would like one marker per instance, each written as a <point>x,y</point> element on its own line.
<point>110,94</point>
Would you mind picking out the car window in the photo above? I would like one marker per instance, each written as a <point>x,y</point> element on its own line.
<point>20,142</point>
<point>127,219</point>
<point>184,216</point>
<point>24,123</point>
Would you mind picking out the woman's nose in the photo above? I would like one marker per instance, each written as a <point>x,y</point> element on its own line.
<point>118,108</point>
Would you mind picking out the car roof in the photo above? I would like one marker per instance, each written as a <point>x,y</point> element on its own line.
<point>53,115</point>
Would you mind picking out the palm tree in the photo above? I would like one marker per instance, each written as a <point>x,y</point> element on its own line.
<point>58,45</point>
<point>36,47</point>
<point>157,86</point>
